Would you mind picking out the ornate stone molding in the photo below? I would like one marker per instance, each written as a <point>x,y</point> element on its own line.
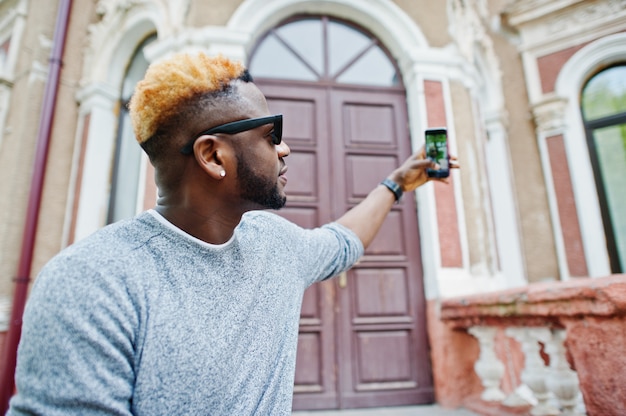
<point>118,17</point>
<point>469,29</point>
<point>564,22</point>
<point>578,12</point>
<point>520,12</point>
<point>590,14</point>
<point>549,114</point>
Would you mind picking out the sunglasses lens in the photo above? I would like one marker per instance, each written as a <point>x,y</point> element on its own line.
<point>277,134</point>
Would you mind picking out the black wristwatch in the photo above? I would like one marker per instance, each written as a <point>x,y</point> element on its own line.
<point>393,187</point>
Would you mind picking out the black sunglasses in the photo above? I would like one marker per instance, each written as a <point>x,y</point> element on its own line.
<point>242,125</point>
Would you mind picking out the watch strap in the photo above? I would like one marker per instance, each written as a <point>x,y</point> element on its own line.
<point>393,187</point>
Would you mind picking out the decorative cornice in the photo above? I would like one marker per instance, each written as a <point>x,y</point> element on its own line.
<point>559,15</point>
<point>520,12</point>
<point>471,32</point>
<point>549,114</point>
<point>118,17</point>
<point>589,14</point>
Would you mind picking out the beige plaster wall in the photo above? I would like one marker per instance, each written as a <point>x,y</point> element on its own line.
<point>59,166</point>
<point>530,190</point>
<point>211,12</point>
<point>17,149</point>
<point>474,183</point>
<point>431,17</point>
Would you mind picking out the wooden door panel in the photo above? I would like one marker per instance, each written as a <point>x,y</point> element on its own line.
<point>381,310</point>
<point>369,124</point>
<point>363,173</point>
<point>375,370</point>
<point>381,296</point>
<point>363,345</point>
<point>303,177</point>
<point>386,242</point>
<point>305,126</point>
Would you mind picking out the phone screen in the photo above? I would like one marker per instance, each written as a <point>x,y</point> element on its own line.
<point>437,150</point>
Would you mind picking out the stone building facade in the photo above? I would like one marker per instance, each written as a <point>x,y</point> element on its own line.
<point>529,91</point>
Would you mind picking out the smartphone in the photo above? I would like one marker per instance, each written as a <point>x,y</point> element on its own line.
<point>437,150</point>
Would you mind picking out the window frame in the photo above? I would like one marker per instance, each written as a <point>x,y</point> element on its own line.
<point>590,126</point>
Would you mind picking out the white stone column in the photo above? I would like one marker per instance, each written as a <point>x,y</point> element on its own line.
<point>488,367</point>
<point>535,371</point>
<point>562,380</point>
<point>97,101</point>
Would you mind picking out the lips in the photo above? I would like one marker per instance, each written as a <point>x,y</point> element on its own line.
<point>281,174</point>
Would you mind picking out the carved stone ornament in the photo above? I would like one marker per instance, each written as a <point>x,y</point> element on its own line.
<point>566,15</point>
<point>469,28</point>
<point>167,16</point>
<point>549,114</point>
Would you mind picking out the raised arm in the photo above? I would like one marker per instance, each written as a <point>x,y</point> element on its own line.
<point>366,218</point>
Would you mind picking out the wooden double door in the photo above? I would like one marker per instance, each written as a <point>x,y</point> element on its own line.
<point>362,340</point>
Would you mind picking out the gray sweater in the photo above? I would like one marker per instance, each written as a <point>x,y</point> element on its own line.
<point>142,318</point>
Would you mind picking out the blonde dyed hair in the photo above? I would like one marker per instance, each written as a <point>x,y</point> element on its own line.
<point>171,83</point>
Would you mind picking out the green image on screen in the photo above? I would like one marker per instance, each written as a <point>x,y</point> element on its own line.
<point>437,149</point>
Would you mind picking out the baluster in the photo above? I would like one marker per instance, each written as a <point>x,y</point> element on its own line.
<point>488,367</point>
<point>535,370</point>
<point>562,380</point>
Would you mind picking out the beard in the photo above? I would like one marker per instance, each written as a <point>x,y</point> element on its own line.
<point>258,190</point>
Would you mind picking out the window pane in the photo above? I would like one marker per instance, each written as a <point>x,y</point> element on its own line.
<point>128,163</point>
<point>126,176</point>
<point>610,145</point>
<point>4,53</point>
<point>344,43</point>
<point>305,37</point>
<point>273,60</point>
<point>605,94</point>
<point>373,68</point>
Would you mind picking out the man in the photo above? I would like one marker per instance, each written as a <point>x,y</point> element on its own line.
<point>193,307</point>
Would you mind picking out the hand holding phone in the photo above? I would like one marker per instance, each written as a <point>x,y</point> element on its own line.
<point>436,148</point>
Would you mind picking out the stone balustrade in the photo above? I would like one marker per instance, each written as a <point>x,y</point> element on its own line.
<point>545,349</point>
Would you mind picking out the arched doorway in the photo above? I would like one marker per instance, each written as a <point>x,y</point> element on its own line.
<point>362,336</point>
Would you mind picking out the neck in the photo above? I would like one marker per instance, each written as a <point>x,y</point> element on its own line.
<point>213,226</point>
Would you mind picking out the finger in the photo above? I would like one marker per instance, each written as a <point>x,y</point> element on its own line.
<point>423,164</point>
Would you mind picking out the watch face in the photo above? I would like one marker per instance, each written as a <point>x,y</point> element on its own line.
<point>393,187</point>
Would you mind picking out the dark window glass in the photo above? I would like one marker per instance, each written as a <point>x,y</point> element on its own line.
<point>604,111</point>
<point>123,202</point>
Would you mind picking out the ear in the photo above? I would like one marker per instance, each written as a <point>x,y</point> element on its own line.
<point>210,153</point>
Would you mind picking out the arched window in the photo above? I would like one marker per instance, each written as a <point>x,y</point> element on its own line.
<point>323,50</point>
<point>604,114</point>
<point>125,181</point>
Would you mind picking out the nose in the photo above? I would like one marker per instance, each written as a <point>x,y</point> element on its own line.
<point>282,149</point>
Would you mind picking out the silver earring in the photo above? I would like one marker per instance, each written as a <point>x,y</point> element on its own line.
<point>223,173</point>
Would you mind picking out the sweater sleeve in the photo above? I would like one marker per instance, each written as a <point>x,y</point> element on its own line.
<point>76,351</point>
<point>331,249</point>
<point>318,253</point>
